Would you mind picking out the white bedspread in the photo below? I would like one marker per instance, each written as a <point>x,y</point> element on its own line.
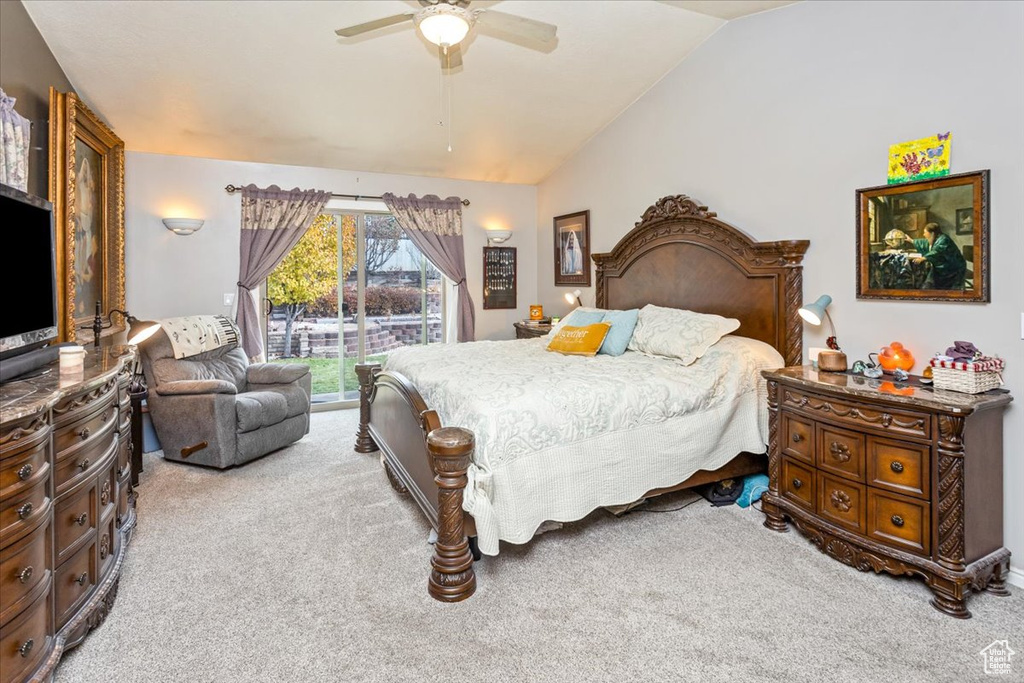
<point>559,436</point>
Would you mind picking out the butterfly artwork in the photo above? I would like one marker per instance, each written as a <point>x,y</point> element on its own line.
<point>920,159</point>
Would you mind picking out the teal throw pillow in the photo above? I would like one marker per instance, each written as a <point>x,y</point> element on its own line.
<point>619,335</point>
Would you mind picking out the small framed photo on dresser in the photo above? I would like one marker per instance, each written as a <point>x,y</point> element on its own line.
<point>572,249</point>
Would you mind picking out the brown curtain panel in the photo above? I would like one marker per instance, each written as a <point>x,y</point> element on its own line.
<point>273,221</point>
<point>434,225</point>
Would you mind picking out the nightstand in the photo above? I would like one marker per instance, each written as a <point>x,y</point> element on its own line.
<point>524,331</point>
<point>894,478</point>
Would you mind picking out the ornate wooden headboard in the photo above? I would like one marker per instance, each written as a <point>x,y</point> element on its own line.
<point>679,255</point>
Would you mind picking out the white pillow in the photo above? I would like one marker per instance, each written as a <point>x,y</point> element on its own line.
<point>679,334</point>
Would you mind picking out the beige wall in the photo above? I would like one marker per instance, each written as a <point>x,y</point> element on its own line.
<point>169,275</point>
<point>778,118</point>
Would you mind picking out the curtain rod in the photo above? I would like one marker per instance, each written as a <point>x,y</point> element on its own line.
<point>231,189</point>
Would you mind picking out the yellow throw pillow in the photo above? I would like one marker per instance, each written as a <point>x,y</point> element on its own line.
<point>579,341</point>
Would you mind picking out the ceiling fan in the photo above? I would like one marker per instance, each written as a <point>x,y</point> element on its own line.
<point>446,22</point>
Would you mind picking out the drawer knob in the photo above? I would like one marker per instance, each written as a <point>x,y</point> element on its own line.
<point>25,471</point>
<point>797,483</point>
<point>26,647</point>
<point>82,578</point>
<point>24,575</point>
<point>839,451</point>
<point>797,438</point>
<point>84,465</point>
<point>896,466</point>
<point>840,501</point>
<point>84,433</point>
<point>25,510</point>
<point>896,520</point>
<point>81,519</point>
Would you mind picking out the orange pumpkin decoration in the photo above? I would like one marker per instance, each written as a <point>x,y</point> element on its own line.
<point>895,355</point>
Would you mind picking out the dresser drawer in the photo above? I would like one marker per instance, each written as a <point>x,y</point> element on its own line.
<point>83,464</point>
<point>841,501</point>
<point>898,466</point>
<point>898,422</point>
<point>24,434</point>
<point>798,438</point>
<point>74,581</point>
<point>108,545</point>
<point>899,521</point>
<point>85,403</point>
<point>841,452</point>
<point>95,426</point>
<point>74,519</point>
<point>20,513</point>
<point>25,564</point>
<point>27,640</point>
<point>797,483</point>
<point>23,471</point>
<point>124,455</point>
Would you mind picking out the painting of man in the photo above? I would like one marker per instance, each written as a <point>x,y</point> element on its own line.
<point>948,265</point>
<point>88,222</point>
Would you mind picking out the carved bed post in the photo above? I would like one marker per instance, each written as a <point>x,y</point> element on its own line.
<point>451,577</point>
<point>773,519</point>
<point>367,374</point>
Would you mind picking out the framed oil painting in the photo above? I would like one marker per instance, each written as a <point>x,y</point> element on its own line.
<point>925,240</point>
<point>87,191</point>
<point>572,249</point>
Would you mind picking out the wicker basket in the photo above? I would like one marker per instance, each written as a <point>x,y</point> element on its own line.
<point>968,378</point>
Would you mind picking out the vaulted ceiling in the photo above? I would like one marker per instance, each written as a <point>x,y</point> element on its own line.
<point>270,82</point>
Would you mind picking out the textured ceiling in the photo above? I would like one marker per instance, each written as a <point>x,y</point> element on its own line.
<point>270,82</point>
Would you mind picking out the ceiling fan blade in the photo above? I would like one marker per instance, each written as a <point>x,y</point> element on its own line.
<point>520,27</point>
<point>359,29</point>
<point>452,60</point>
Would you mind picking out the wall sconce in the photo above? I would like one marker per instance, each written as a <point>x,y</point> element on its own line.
<point>573,297</point>
<point>497,236</point>
<point>183,226</point>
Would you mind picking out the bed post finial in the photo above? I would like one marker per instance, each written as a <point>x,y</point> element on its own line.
<point>451,576</point>
<point>367,374</point>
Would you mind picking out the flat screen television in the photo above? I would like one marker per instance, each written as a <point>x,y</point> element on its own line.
<point>28,277</point>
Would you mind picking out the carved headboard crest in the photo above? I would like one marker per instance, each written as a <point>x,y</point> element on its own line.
<point>680,255</point>
<point>675,206</point>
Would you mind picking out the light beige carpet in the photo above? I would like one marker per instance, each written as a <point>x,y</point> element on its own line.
<point>306,566</point>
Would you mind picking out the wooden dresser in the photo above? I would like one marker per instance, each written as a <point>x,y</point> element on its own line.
<point>67,508</point>
<point>906,480</point>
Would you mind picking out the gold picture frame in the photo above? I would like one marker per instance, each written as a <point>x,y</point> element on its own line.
<point>87,192</point>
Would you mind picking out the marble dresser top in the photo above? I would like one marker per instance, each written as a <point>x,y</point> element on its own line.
<point>20,398</point>
<point>885,389</point>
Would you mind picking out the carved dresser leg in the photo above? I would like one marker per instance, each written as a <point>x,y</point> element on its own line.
<point>367,375</point>
<point>452,577</point>
<point>955,605</point>
<point>773,519</point>
<point>997,585</point>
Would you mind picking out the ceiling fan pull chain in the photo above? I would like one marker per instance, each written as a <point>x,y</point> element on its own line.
<point>448,59</point>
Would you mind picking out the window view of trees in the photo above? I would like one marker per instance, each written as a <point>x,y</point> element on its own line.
<point>308,320</point>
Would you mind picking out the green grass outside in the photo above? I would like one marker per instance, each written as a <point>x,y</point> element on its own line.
<point>325,372</point>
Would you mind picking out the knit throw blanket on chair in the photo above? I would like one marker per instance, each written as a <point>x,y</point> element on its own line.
<point>194,334</point>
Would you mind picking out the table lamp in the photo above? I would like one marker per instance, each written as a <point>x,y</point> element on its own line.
<point>815,312</point>
<point>138,330</point>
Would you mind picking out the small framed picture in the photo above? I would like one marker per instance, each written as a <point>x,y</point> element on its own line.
<point>572,249</point>
<point>965,221</point>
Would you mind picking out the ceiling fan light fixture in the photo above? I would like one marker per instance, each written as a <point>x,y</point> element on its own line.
<point>444,24</point>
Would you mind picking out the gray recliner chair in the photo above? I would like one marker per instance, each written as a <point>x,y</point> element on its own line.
<point>216,409</point>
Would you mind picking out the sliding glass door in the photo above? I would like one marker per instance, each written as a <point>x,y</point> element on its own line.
<point>355,288</point>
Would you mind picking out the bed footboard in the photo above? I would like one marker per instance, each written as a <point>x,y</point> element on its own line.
<point>427,462</point>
